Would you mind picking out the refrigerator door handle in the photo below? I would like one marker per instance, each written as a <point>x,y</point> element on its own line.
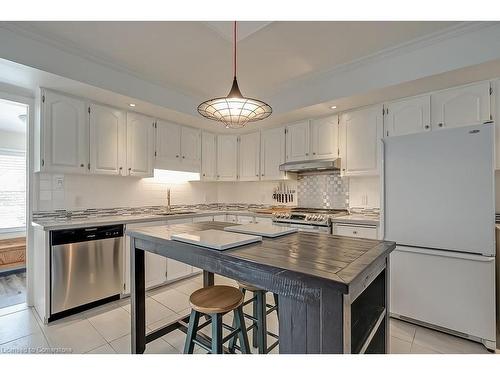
<point>448,254</point>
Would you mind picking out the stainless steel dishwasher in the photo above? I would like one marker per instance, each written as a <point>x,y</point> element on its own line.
<point>86,268</point>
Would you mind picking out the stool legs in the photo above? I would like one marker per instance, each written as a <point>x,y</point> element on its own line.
<point>239,320</point>
<point>194,319</point>
<point>216,333</point>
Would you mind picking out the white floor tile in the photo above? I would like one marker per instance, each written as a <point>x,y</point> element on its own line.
<point>176,339</point>
<point>159,346</point>
<point>172,299</point>
<point>155,311</point>
<point>417,349</point>
<point>444,343</point>
<point>18,324</point>
<point>187,287</point>
<point>31,344</point>
<point>112,324</point>
<point>402,330</point>
<point>399,346</point>
<point>105,349</point>
<point>13,308</point>
<point>78,335</point>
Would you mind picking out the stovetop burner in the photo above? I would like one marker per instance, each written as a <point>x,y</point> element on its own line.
<point>311,216</point>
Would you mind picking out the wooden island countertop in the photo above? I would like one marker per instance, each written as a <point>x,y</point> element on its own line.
<point>330,287</point>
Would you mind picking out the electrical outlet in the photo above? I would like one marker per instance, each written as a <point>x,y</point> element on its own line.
<point>58,182</point>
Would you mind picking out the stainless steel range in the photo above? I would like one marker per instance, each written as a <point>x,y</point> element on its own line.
<point>308,219</point>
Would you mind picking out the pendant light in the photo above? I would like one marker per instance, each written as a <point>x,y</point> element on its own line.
<point>235,110</point>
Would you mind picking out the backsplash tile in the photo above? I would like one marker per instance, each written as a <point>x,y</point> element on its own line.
<point>323,190</point>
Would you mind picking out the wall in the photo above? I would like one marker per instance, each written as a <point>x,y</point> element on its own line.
<point>80,191</point>
<point>364,191</point>
<point>256,192</point>
<point>12,140</point>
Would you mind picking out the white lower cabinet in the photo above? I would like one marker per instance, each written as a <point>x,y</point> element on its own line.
<point>203,218</point>
<point>358,231</point>
<point>158,269</point>
<point>220,217</point>
<point>263,220</point>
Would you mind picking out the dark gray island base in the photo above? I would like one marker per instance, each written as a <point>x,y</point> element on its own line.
<point>333,290</point>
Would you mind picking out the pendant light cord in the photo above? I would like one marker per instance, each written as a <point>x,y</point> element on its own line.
<point>234,49</point>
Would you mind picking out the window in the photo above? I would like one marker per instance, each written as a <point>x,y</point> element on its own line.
<point>12,190</point>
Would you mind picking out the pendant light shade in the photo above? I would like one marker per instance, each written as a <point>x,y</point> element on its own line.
<point>235,110</point>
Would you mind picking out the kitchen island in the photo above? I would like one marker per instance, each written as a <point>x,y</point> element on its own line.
<point>333,290</point>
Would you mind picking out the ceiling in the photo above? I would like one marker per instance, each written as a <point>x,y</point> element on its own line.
<point>196,57</point>
<point>11,116</point>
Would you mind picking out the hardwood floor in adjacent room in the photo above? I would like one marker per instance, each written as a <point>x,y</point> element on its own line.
<point>12,289</point>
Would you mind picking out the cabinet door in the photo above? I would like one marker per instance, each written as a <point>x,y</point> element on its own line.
<point>227,158</point>
<point>65,134</point>
<point>496,117</point>
<point>297,141</point>
<point>245,219</point>
<point>408,116</point>
<point>249,157</point>
<point>324,138</point>
<point>190,149</point>
<point>363,131</point>
<point>208,157</point>
<point>107,140</point>
<point>272,154</point>
<point>461,106</point>
<point>140,145</point>
<point>168,145</point>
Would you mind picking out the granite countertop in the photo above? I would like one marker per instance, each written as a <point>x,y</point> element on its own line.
<point>68,220</point>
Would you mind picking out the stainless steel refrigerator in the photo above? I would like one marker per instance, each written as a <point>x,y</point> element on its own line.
<point>439,206</point>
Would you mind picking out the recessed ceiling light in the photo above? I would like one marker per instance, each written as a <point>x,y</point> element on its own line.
<point>132,105</point>
<point>333,107</point>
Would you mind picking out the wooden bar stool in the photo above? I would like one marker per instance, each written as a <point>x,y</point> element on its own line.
<point>259,326</point>
<point>215,301</point>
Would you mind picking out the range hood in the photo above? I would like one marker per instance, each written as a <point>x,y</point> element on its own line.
<point>311,165</point>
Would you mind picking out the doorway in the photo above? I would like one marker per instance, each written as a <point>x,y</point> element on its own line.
<point>13,205</point>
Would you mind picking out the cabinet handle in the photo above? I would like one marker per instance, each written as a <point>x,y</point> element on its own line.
<point>354,232</point>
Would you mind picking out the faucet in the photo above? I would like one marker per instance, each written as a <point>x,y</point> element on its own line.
<point>168,199</point>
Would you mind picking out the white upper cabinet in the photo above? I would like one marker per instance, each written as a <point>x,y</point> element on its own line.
<point>64,134</point>
<point>208,156</point>
<point>168,145</point>
<point>272,154</point>
<point>249,157</point>
<point>461,106</point>
<point>324,138</point>
<point>227,157</point>
<point>361,133</point>
<point>190,149</point>
<point>408,116</point>
<point>140,145</point>
<point>178,147</point>
<point>107,140</point>
<point>297,141</point>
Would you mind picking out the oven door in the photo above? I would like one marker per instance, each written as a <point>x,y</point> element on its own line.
<point>307,227</point>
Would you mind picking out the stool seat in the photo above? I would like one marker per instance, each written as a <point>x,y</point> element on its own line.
<point>248,287</point>
<point>217,299</point>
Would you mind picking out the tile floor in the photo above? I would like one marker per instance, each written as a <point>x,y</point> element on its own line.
<point>106,329</point>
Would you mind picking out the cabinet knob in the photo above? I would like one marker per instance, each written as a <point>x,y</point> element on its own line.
<point>183,157</point>
<point>354,232</point>
<point>81,165</point>
<point>307,154</point>
<point>262,174</point>
<point>203,174</point>
<point>257,175</point>
<point>130,169</point>
<point>176,156</point>
<point>440,124</point>
<point>313,153</point>
<point>120,168</point>
<point>427,126</point>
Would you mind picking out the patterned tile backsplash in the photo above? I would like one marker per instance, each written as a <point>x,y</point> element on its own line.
<point>323,190</point>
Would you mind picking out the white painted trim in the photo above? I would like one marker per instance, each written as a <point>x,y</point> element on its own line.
<point>29,186</point>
